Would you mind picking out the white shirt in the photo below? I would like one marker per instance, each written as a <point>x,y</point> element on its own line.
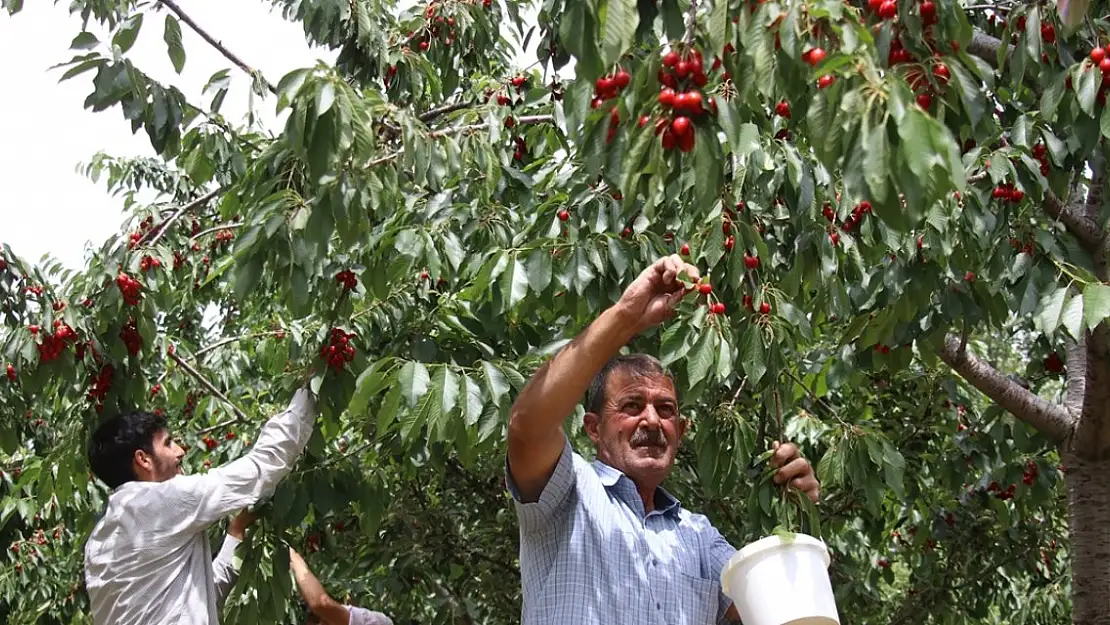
<point>148,561</point>
<point>362,616</point>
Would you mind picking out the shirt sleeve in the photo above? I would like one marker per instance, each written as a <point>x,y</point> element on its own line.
<point>201,500</point>
<point>224,573</point>
<point>718,551</point>
<point>538,516</point>
<point>362,616</point>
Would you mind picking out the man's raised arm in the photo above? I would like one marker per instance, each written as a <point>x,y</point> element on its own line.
<point>535,434</point>
<point>204,499</point>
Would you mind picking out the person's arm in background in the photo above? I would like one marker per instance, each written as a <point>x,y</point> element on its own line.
<point>536,439</point>
<point>328,610</point>
<point>224,572</point>
<point>201,500</point>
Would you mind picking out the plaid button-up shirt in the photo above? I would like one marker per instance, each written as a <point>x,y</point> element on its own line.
<point>590,556</point>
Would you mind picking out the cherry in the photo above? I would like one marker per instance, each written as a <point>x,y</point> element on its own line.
<point>622,79</point>
<point>1097,54</point>
<point>685,251</point>
<point>704,289</point>
<point>667,97</point>
<point>1053,364</point>
<point>888,9</point>
<point>689,101</point>
<point>940,72</point>
<point>681,126</point>
<point>670,59</point>
<point>730,242</point>
<point>11,372</point>
<point>424,45</point>
<point>875,5</point>
<point>717,309</point>
<point>825,81</point>
<point>1104,66</point>
<point>3,264</point>
<point>814,56</point>
<point>969,276</point>
<point>643,121</point>
<point>34,329</point>
<point>924,100</point>
<point>669,139</point>
<point>1048,33</point>
<point>510,122</point>
<point>519,81</point>
<point>834,237</point>
<point>686,142</point>
<point>751,262</point>
<point>928,12</point>
<point>765,308</point>
<point>564,215</point>
<point>782,109</point>
<point>603,85</point>
<point>883,563</point>
<point>682,69</point>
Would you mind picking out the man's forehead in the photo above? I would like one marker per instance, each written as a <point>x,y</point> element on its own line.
<point>625,383</point>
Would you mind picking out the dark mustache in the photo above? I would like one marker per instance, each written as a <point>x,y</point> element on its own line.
<point>648,438</point>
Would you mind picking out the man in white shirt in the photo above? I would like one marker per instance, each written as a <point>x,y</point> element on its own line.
<point>322,609</point>
<point>148,560</point>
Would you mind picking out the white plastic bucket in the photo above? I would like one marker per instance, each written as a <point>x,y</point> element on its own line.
<point>781,581</point>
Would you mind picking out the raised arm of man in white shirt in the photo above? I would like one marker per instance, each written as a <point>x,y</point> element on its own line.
<point>147,560</point>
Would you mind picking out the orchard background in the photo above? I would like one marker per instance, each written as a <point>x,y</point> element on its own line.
<point>898,205</point>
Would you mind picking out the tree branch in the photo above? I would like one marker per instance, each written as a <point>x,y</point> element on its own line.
<point>431,114</point>
<point>1076,373</point>
<point>691,21</point>
<point>172,6</point>
<point>239,414</point>
<point>1051,419</point>
<point>174,217</point>
<point>221,425</point>
<point>986,47</point>
<point>455,130</point>
<point>1086,231</point>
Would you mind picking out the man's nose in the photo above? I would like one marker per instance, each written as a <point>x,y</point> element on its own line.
<point>651,416</point>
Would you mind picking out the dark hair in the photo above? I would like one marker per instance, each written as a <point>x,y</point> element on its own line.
<point>636,364</point>
<point>115,441</point>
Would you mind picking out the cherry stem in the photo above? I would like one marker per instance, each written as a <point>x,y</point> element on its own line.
<point>691,20</point>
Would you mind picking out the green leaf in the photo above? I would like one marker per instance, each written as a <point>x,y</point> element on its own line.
<point>704,353</point>
<point>514,282</point>
<point>620,23</point>
<point>1072,316</point>
<point>247,276</point>
<point>472,400</point>
<point>1048,318</point>
<point>413,379</point>
<point>751,354</point>
<point>172,37</point>
<point>325,97</point>
<point>1096,304</point>
<point>970,92</point>
<point>1033,34</point>
<point>717,25</point>
<point>875,162</point>
<point>128,32</point>
<point>370,382</point>
<point>1053,94</point>
<point>84,41</point>
<point>496,383</point>
<point>1104,122</point>
<point>1087,87</point>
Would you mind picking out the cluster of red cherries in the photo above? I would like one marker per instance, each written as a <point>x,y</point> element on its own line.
<point>339,351</point>
<point>130,289</point>
<point>131,337</point>
<point>1008,193</point>
<point>347,279</point>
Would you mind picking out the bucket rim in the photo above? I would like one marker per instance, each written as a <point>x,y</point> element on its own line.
<point>769,543</point>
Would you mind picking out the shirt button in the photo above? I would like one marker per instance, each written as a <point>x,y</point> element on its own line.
<point>658,606</point>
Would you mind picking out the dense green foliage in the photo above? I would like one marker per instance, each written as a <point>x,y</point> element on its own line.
<point>486,215</point>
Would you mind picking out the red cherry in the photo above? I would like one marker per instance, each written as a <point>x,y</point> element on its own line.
<point>1048,33</point>
<point>718,308</point>
<point>940,72</point>
<point>686,142</point>
<point>669,140</point>
<point>815,56</point>
<point>825,81</point>
<point>685,251</point>
<point>704,289</point>
<point>667,97</point>
<point>564,215</point>
<point>782,109</point>
<point>969,276</point>
<point>11,372</point>
<point>682,69</point>
<point>693,101</point>
<point>764,308</point>
<point>603,85</point>
<point>1104,66</point>
<point>424,46</point>
<point>924,100</point>
<point>34,329</point>
<point>680,126</point>
<point>644,119</point>
<point>928,12</point>
<point>1097,54</point>
<point>670,59</point>
<point>751,262</point>
<point>888,9</point>
<point>622,79</point>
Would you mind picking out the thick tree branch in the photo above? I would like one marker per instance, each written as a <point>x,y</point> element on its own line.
<point>985,47</point>
<point>1051,419</point>
<point>168,223</point>
<point>239,414</point>
<point>1076,373</point>
<point>1092,434</point>
<point>184,17</point>
<point>431,114</point>
<point>220,426</point>
<point>1086,231</point>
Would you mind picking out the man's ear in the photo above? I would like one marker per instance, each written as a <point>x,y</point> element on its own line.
<point>682,423</point>
<point>592,423</point>
<point>142,462</point>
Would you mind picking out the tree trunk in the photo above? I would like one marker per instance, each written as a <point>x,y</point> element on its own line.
<point>1088,485</point>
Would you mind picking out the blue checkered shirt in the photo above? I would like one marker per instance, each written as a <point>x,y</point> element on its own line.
<point>590,556</point>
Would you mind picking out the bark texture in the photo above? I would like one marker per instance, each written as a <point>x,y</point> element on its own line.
<point>1089,528</point>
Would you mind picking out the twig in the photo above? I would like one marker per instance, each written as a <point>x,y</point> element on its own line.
<point>526,119</point>
<point>172,6</point>
<point>691,20</point>
<point>431,114</point>
<point>215,229</point>
<point>177,214</point>
<point>208,385</point>
<point>221,425</point>
<point>204,350</point>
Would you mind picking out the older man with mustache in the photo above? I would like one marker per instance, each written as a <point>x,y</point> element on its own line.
<point>148,560</point>
<point>602,543</point>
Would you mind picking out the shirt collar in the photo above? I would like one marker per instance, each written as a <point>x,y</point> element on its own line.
<point>665,502</point>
